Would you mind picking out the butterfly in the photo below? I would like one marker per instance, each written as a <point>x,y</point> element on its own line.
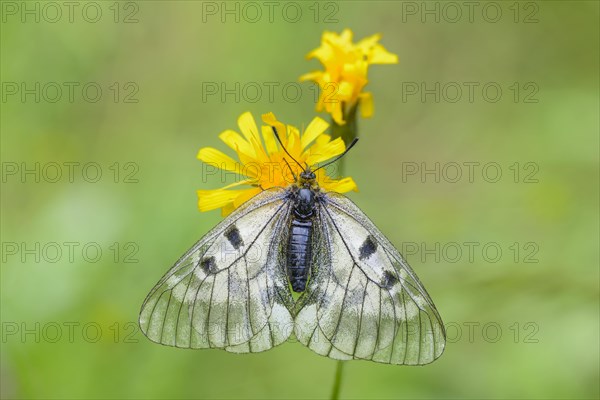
<point>296,261</point>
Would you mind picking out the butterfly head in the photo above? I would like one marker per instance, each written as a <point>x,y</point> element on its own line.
<point>307,178</point>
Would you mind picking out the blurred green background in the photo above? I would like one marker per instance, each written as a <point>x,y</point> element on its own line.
<point>521,324</point>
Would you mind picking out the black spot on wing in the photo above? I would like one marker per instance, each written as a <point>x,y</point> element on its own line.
<point>389,280</point>
<point>367,248</point>
<point>233,235</point>
<point>208,265</point>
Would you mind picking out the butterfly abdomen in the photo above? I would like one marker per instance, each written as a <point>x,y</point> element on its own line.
<point>300,239</point>
<point>299,253</point>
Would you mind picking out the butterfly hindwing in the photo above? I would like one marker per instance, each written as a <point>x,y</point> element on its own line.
<point>363,301</point>
<point>229,290</point>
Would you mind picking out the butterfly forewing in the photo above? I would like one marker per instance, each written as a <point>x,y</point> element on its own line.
<point>231,289</point>
<point>363,300</point>
<point>228,291</point>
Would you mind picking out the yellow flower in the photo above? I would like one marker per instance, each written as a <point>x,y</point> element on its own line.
<point>265,165</point>
<point>346,65</point>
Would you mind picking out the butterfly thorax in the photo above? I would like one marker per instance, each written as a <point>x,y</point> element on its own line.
<point>304,204</point>
<point>304,194</point>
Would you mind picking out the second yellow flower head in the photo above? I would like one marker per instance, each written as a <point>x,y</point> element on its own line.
<point>345,76</point>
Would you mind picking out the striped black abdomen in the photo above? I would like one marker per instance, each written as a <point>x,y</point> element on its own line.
<point>299,256</point>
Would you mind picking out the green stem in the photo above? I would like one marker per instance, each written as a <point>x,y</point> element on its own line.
<point>335,392</point>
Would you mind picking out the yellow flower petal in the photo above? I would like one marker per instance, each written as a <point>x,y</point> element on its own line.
<point>248,126</point>
<point>322,54</point>
<point>239,183</point>
<point>345,90</point>
<point>271,120</point>
<point>227,209</point>
<point>270,141</point>
<point>311,76</point>
<point>249,130</point>
<point>326,151</point>
<point>316,127</point>
<point>336,113</point>
<point>380,55</point>
<point>346,36</point>
<point>218,159</point>
<point>367,43</point>
<point>344,40</point>
<point>213,199</point>
<point>293,140</point>
<point>236,142</point>
<point>366,104</point>
<point>321,102</point>
<point>322,140</point>
<point>341,186</point>
<point>245,196</point>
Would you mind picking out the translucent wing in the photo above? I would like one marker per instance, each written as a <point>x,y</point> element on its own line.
<point>229,290</point>
<point>363,301</point>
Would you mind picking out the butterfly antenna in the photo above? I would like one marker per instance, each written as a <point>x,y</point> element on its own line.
<point>340,156</point>
<point>284,149</point>
<point>291,170</point>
